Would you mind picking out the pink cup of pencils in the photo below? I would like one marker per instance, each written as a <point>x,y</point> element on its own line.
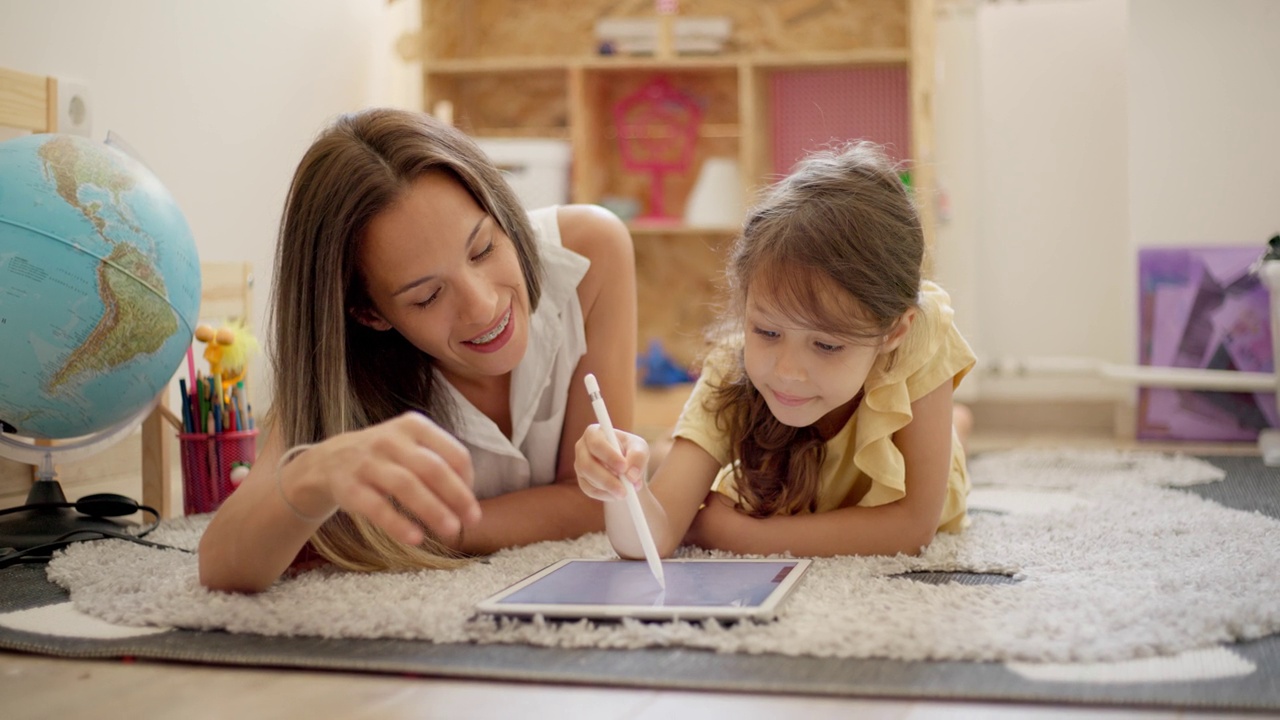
<point>209,464</point>
<point>218,444</point>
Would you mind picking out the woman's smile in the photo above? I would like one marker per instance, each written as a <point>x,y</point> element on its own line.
<point>495,337</point>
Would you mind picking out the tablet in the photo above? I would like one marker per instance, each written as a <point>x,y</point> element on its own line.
<point>697,589</point>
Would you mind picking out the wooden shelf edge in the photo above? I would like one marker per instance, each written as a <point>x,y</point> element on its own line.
<point>868,56</point>
<point>468,66</point>
<point>538,133</point>
<point>642,228</point>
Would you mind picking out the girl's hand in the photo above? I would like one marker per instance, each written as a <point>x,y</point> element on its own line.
<point>599,466</point>
<point>717,519</point>
<point>409,461</point>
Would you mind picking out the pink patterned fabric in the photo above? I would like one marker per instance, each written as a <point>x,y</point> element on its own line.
<point>812,109</point>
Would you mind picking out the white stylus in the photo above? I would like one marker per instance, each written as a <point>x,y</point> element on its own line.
<point>633,500</point>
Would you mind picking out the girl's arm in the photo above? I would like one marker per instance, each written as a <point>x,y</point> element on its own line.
<point>607,294</point>
<point>678,489</point>
<point>670,501</point>
<point>904,526</point>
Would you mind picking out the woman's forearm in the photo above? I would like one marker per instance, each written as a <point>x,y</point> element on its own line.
<point>252,539</point>
<point>549,512</point>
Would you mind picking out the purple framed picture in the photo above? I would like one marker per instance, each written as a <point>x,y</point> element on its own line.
<point>1203,308</point>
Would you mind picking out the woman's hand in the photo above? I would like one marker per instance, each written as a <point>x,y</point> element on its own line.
<point>408,461</point>
<point>599,466</point>
<point>718,519</point>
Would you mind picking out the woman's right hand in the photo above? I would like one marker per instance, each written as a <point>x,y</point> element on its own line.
<point>408,459</point>
<point>599,466</point>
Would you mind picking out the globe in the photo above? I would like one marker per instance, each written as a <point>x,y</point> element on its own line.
<point>99,291</point>
<point>99,286</point>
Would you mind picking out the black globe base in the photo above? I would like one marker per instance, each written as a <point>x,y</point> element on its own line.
<point>45,520</point>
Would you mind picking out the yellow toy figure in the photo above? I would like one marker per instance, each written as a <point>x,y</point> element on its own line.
<point>227,350</point>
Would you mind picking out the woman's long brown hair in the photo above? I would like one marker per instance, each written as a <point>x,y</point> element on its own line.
<point>841,220</point>
<point>332,373</point>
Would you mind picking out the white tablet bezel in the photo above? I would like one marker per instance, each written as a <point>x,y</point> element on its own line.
<point>766,610</point>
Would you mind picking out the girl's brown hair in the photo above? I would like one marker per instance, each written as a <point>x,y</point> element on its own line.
<point>332,373</point>
<point>842,219</point>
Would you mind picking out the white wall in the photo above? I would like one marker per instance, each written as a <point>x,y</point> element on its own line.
<point>959,164</point>
<point>219,98</point>
<point>1049,232</point>
<point>1071,133</point>
<point>1204,122</point>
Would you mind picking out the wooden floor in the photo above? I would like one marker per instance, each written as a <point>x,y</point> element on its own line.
<point>36,687</point>
<point>39,687</point>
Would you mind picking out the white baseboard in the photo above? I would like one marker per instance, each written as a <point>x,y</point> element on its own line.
<point>1103,418</point>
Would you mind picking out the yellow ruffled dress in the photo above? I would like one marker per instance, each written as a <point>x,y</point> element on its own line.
<point>863,467</point>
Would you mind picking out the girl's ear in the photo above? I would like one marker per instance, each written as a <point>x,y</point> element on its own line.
<point>369,318</point>
<point>899,331</point>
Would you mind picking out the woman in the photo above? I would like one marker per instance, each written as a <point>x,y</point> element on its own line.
<point>430,342</point>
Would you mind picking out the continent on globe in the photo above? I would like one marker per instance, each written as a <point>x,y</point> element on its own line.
<point>73,168</point>
<point>137,320</point>
<point>99,286</point>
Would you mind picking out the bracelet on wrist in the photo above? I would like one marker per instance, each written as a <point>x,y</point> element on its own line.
<point>289,455</point>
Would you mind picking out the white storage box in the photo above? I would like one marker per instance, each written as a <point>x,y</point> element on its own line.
<point>536,168</point>
<point>639,36</point>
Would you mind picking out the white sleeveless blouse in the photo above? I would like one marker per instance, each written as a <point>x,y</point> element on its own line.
<point>539,384</point>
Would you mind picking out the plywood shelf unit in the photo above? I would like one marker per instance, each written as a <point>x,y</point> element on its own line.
<point>530,68</point>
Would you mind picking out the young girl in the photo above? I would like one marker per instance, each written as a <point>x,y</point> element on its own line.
<point>430,342</point>
<point>822,422</point>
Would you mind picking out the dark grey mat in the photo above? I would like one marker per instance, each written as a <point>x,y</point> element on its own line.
<point>1248,486</point>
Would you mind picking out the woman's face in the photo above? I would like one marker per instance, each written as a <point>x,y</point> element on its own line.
<point>442,273</point>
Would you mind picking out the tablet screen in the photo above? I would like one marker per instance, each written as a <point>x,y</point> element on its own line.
<point>620,588</point>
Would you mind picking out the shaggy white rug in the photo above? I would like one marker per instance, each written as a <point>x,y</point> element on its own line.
<point>1109,565</point>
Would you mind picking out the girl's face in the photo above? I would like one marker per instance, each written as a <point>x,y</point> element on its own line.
<point>442,273</point>
<point>806,374</point>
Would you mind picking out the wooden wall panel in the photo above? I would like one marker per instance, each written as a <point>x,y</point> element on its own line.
<point>462,29</point>
<point>806,26</point>
<point>718,133</point>
<point>527,104</point>
<point>677,294</point>
<point>28,102</point>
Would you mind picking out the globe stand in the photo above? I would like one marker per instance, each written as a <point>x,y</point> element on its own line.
<point>46,519</point>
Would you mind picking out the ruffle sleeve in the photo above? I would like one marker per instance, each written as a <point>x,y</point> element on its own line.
<point>934,352</point>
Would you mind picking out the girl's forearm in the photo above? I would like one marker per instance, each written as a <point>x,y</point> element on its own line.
<point>884,530</point>
<point>622,532</point>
